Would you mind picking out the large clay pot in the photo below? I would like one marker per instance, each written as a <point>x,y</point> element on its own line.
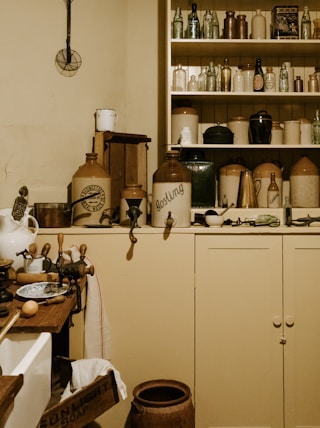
<point>261,179</point>
<point>15,236</point>
<point>304,184</point>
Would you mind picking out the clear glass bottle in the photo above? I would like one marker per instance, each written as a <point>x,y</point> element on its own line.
<point>88,179</point>
<point>306,24</point>
<point>215,25</point>
<point>258,83</point>
<point>207,29</point>
<point>269,80</point>
<point>177,24</point>
<point>258,25</point>
<point>218,83</point>
<point>316,128</point>
<point>179,82</point>
<point>273,193</point>
<point>238,81</point>
<point>226,76</point>
<point>171,194</point>
<point>211,78</point>
<point>193,23</point>
<point>202,78</point>
<point>287,212</point>
<point>283,79</point>
<point>192,84</point>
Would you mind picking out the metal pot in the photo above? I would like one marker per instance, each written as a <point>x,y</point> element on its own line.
<point>218,135</point>
<point>56,214</point>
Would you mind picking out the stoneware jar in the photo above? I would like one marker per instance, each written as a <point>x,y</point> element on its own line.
<point>229,179</point>
<point>304,184</point>
<point>261,179</point>
<point>184,117</point>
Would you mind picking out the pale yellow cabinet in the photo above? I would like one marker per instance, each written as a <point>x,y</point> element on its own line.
<point>238,360</point>
<point>257,358</point>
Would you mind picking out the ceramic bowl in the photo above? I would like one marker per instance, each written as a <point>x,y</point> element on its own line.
<point>214,220</point>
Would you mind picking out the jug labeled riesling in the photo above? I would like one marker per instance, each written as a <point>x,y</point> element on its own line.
<point>171,194</point>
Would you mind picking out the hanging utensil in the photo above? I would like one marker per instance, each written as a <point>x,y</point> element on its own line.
<point>68,61</point>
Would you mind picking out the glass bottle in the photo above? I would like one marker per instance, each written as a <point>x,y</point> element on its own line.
<point>202,78</point>
<point>230,25</point>
<point>218,82</point>
<point>298,84</point>
<point>133,196</point>
<point>313,85</point>
<point>238,81</point>
<point>192,84</point>
<point>211,78</point>
<point>171,194</point>
<point>306,24</point>
<point>316,128</point>
<point>207,29</point>
<point>258,25</point>
<point>258,84</point>
<point>242,27</point>
<point>269,80</point>
<point>226,76</point>
<point>193,23</point>
<point>178,24</point>
<point>90,178</point>
<point>287,212</point>
<point>179,79</point>
<point>283,79</point>
<point>215,25</point>
<point>273,193</point>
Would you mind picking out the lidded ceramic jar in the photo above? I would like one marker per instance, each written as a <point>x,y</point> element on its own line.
<point>229,179</point>
<point>304,184</point>
<point>261,179</point>
<point>183,117</point>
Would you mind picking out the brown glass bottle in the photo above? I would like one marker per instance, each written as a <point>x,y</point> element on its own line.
<point>171,193</point>
<point>230,25</point>
<point>89,179</point>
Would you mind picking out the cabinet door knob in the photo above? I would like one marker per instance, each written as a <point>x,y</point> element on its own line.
<point>277,322</point>
<point>289,322</point>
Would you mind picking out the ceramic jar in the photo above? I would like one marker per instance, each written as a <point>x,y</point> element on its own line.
<point>229,179</point>
<point>239,125</point>
<point>305,131</point>
<point>261,179</point>
<point>183,117</point>
<point>276,133</point>
<point>304,184</point>
<point>133,196</point>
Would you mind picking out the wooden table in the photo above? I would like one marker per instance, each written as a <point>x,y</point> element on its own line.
<point>9,388</point>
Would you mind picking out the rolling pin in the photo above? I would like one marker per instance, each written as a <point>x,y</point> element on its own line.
<point>28,278</point>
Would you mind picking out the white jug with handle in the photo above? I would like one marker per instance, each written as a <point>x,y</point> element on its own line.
<point>15,236</point>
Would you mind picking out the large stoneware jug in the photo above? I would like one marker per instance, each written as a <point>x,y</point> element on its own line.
<point>15,236</point>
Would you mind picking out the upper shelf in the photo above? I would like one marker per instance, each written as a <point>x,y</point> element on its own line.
<point>247,47</point>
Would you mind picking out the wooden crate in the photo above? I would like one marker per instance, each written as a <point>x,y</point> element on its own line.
<point>84,406</point>
<point>124,156</point>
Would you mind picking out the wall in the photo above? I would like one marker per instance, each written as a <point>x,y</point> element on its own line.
<point>47,120</point>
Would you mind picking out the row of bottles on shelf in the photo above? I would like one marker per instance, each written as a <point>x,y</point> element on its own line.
<point>285,24</point>
<point>245,78</point>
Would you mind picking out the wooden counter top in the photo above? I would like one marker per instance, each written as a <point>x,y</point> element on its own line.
<point>9,388</point>
<point>49,318</point>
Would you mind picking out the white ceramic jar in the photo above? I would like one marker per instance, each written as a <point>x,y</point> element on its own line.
<point>239,125</point>
<point>229,180</point>
<point>305,131</point>
<point>183,117</point>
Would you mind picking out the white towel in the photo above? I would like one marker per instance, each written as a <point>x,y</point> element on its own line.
<point>85,372</point>
<point>97,338</point>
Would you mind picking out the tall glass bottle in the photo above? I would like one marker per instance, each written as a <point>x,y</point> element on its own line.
<point>193,23</point>
<point>226,76</point>
<point>202,79</point>
<point>171,194</point>
<point>283,79</point>
<point>218,82</point>
<point>177,24</point>
<point>258,82</point>
<point>211,78</point>
<point>273,193</point>
<point>207,29</point>
<point>179,80</point>
<point>90,178</point>
<point>215,25</point>
<point>316,128</point>
<point>305,24</point>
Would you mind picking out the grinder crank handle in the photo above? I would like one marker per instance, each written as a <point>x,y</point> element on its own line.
<point>60,250</point>
<point>83,250</point>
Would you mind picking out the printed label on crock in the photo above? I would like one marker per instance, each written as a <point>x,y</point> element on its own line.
<point>174,198</point>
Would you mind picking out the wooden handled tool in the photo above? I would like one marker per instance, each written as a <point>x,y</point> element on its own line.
<point>28,278</point>
<point>53,301</point>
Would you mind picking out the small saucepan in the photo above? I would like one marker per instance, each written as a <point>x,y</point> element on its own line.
<point>56,214</point>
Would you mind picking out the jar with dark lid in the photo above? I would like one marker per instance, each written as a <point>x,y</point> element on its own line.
<point>260,128</point>
<point>202,179</point>
<point>90,178</point>
<point>133,196</point>
<point>171,193</point>
<point>218,135</point>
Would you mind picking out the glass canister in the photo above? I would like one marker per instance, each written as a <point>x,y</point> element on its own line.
<point>90,178</point>
<point>248,75</point>
<point>184,117</point>
<point>133,196</point>
<point>171,194</point>
<point>203,179</point>
<point>304,184</point>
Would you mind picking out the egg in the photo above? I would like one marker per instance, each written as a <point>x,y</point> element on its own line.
<point>29,308</point>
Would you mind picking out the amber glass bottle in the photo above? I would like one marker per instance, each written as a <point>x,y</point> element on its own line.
<point>171,193</point>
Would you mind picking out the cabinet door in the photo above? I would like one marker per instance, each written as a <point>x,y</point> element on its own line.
<point>238,360</point>
<point>302,327</point>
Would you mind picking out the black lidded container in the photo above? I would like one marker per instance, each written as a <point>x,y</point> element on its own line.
<point>203,178</point>
<point>260,128</point>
